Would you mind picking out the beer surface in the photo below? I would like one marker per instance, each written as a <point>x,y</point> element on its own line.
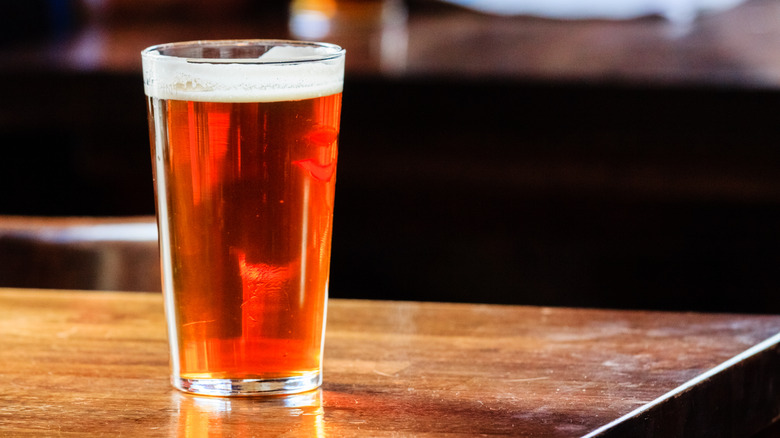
<point>250,190</point>
<point>241,80</point>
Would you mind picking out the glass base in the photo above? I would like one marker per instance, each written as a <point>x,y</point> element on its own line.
<point>249,387</point>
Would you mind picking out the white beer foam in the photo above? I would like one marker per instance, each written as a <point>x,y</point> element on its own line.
<point>282,73</point>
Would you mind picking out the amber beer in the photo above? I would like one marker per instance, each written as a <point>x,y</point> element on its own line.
<point>244,157</point>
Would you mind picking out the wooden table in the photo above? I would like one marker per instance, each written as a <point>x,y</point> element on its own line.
<point>89,363</point>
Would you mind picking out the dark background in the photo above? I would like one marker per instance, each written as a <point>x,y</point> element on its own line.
<point>592,164</point>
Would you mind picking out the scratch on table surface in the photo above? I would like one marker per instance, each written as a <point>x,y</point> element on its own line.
<point>529,379</point>
<point>66,333</point>
<point>387,368</point>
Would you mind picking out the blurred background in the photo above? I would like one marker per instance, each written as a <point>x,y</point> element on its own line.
<point>616,154</point>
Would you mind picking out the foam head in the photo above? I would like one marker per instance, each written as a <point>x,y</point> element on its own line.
<point>242,71</point>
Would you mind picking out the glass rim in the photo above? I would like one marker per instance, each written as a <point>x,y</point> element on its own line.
<point>155,51</point>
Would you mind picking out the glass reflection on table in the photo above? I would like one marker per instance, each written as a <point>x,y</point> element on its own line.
<point>203,416</point>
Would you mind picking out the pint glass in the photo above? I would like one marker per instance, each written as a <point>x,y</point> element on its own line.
<point>244,147</point>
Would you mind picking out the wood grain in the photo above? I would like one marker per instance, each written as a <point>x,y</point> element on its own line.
<point>95,363</point>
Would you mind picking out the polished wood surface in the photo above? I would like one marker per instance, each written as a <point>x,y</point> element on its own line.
<point>96,253</point>
<point>89,363</point>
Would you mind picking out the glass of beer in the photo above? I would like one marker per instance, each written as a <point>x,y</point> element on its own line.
<point>244,147</point>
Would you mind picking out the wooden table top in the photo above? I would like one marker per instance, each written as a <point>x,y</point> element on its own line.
<point>88,363</point>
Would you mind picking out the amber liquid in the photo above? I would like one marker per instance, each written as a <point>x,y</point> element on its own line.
<point>245,203</point>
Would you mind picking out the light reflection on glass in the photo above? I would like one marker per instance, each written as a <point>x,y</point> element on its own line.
<point>200,416</point>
